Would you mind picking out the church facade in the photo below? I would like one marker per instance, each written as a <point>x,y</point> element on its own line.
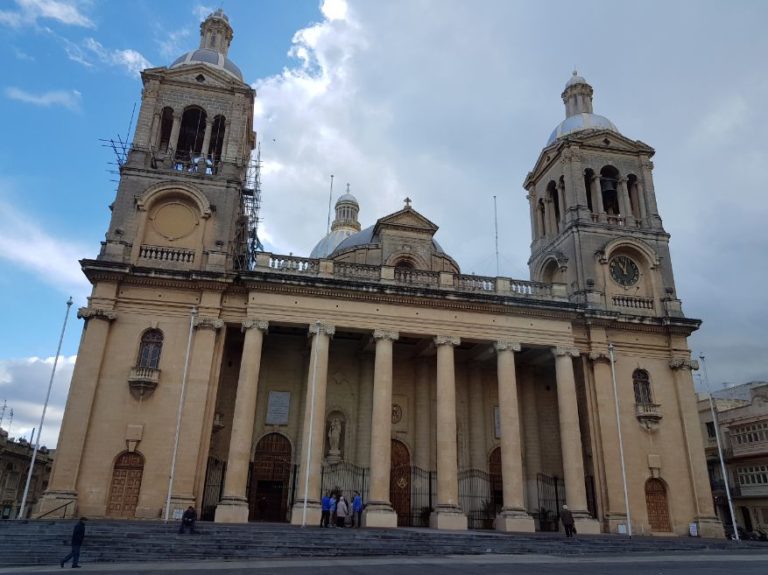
<point>259,382</point>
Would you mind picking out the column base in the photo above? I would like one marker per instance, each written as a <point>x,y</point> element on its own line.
<point>449,517</point>
<point>710,526</point>
<point>515,520</point>
<point>314,512</point>
<point>57,500</point>
<point>379,515</point>
<point>585,523</point>
<point>232,510</point>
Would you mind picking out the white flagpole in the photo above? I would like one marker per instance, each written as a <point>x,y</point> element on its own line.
<point>192,316</point>
<point>311,424</point>
<point>720,449</point>
<point>621,441</point>
<point>23,506</point>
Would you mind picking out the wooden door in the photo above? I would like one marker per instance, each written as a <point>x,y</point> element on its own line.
<point>126,485</point>
<point>400,482</point>
<point>658,506</point>
<point>270,477</point>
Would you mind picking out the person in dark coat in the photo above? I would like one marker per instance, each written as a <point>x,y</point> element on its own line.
<point>567,518</point>
<point>188,520</point>
<point>78,534</point>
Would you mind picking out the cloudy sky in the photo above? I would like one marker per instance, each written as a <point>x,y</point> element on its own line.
<point>447,102</point>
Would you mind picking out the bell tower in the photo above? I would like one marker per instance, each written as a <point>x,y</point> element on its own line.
<point>594,221</point>
<point>182,199</point>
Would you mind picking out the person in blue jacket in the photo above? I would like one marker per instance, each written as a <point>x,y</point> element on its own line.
<point>326,510</point>
<point>78,534</point>
<point>357,509</point>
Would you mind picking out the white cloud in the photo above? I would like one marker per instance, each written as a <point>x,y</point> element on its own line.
<point>334,9</point>
<point>172,44</point>
<point>70,99</point>
<point>24,384</point>
<point>131,60</point>
<point>201,11</point>
<point>30,11</point>
<point>21,55</point>
<point>55,261</point>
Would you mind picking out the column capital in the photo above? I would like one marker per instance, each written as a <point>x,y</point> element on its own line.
<point>318,328</point>
<point>503,345</point>
<point>599,357</point>
<point>250,323</point>
<point>451,340</point>
<point>384,334</point>
<point>87,313</point>
<point>683,364</point>
<point>565,351</point>
<point>212,323</point>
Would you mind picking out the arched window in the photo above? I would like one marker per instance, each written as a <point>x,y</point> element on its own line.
<point>642,384</point>
<point>150,348</point>
<point>166,126</point>
<point>554,202</point>
<point>609,178</point>
<point>588,175</point>
<point>191,134</point>
<point>217,137</point>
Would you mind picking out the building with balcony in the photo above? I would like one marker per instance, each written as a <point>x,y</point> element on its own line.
<point>742,416</point>
<point>15,458</point>
<point>377,364</point>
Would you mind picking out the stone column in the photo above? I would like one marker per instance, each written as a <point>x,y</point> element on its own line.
<point>447,514</point>
<point>709,524</point>
<point>62,486</point>
<point>233,507</point>
<point>202,165</point>
<point>227,137</point>
<point>650,194</point>
<point>597,196</point>
<point>175,128</point>
<point>615,510</point>
<point>364,409</point>
<point>154,131</point>
<point>561,200</point>
<point>477,451</point>
<point>513,516</point>
<point>314,428</point>
<point>640,195</point>
<point>531,197</point>
<point>423,417</point>
<point>570,441</point>
<point>192,431</point>
<point>379,512</point>
<point>625,206</point>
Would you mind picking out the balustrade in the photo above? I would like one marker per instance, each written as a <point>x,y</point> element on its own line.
<point>167,254</point>
<point>635,302</point>
<point>293,264</point>
<point>417,277</point>
<point>358,271</point>
<point>474,283</point>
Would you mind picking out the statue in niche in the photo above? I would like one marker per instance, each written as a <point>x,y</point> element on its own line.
<point>334,440</point>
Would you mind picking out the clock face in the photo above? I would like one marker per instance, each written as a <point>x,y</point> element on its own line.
<point>624,271</point>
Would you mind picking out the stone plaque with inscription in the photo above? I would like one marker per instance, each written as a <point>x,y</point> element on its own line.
<point>278,406</point>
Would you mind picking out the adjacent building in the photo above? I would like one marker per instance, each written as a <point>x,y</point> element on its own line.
<point>15,458</point>
<point>377,364</point>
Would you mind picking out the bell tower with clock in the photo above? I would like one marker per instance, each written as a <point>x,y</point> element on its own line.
<point>594,220</point>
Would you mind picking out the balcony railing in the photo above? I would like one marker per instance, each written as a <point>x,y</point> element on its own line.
<point>648,414</point>
<point>633,302</point>
<point>143,381</point>
<point>417,277</point>
<point>167,254</point>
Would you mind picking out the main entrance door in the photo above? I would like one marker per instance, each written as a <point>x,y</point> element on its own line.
<point>658,507</point>
<point>400,483</point>
<point>125,486</point>
<point>270,476</point>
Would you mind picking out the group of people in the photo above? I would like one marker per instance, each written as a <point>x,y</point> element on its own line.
<point>338,512</point>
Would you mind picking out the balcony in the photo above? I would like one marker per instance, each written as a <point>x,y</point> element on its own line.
<point>142,381</point>
<point>648,414</point>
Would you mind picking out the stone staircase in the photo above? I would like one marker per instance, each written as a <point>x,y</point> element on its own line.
<point>36,542</point>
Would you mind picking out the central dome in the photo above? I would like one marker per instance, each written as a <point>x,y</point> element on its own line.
<point>579,122</point>
<point>211,58</point>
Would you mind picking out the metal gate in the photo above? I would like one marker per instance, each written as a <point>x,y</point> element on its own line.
<point>479,498</point>
<point>344,479</point>
<point>551,492</point>
<point>214,485</point>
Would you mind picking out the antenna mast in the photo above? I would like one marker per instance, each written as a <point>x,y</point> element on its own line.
<point>330,197</point>
<point>496,228</point>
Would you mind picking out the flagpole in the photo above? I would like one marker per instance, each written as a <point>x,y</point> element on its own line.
<point>23,506</point>
<point>621,440</point>
<point>193,315</point>
<point>720,449</point>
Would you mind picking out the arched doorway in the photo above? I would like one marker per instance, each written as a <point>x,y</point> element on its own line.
<point>270,477</point>
<point>658,507</point>
<point>125,485</point>
<point>496,480</point>
<point>400,483</point>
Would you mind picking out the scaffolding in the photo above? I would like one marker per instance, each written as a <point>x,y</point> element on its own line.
<point>248,243</point>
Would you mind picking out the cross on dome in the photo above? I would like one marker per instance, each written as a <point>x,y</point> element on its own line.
<point>407,202</point>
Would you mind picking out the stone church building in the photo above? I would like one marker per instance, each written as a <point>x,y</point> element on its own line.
<point>447,400</point>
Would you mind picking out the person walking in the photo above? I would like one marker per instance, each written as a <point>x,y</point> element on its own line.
<point>78,534</point>
<point>188,520</point>
<point>357,510</point>
<point>333,509</point>
<point>341,512</point>
<point>568,524</point>
<point>326,510</point>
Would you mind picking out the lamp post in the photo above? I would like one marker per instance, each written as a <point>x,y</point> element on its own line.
<point>193,315</point>
<point>719,448</point>
<point>23,506</point>
<point>621,441</point>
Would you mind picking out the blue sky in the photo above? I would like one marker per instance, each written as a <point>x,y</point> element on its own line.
<point>446,101</point>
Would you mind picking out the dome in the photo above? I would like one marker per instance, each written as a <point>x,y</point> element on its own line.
<point>328,244</point>
<point>211,58</point>
<point>365,237</point>
<point>575,79</point>
<point>347,198</point>
<point>579,122</point>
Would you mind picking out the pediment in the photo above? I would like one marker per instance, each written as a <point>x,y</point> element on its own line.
<point>607,139</point>
<point>188,74</point>
<point>407,218</point>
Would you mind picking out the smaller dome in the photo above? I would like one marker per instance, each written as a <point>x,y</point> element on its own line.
<point>579,122</point>
<point>211,58</point>
<point>575,79</point>
<point>347,198</point>
<point>328,244</point>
